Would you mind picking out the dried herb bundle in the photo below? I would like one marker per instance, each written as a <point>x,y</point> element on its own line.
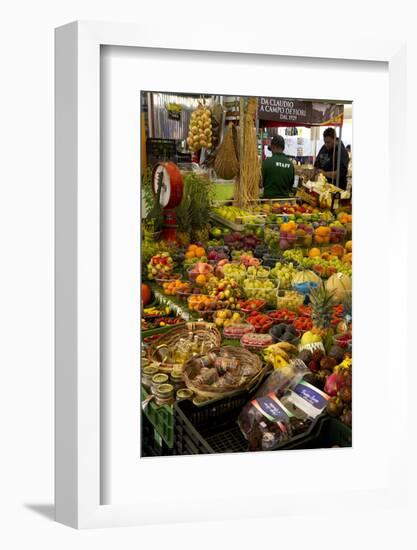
<point>247,186</point>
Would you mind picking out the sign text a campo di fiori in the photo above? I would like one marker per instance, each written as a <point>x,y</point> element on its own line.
<point>287,110</point>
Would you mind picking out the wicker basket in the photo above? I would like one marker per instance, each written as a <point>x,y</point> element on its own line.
<point>208,331</point>
<point>244,357</point>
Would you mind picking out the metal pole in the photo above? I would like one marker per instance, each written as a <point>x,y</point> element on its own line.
<point>241,125</point>
<point>339,156</point>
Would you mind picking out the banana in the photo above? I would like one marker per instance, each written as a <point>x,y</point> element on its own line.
<point>274,351</point>
<point>279,362</point>
<point>286,346</point>
<point>282,353</point>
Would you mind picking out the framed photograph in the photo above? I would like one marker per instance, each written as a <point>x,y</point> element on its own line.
<point>206,282</point>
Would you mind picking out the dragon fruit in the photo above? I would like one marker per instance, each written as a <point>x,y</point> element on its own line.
<point>334,383</point>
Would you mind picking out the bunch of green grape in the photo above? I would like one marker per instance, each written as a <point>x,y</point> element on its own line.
<point>296,254</point>
<point>285,273</point>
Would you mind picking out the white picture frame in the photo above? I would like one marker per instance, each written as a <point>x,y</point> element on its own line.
<point>77,241</point>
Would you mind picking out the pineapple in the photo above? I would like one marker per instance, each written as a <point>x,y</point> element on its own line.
<point>347,305</point>
<point>321,305</point>
<point>184,223</point>
<point>201,235</point>
<point>183,238</point>
<point>343,326</point>
<point>193,212</point>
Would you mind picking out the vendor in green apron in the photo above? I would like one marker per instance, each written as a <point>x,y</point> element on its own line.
<point>277,172</point>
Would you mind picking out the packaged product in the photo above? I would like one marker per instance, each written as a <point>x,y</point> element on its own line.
<point>283,407</point>
<point>281,379</point>
<point>305,400</point>
<point>266,422</point>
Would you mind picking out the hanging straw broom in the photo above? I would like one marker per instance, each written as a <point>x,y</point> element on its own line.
<point>226,163</point>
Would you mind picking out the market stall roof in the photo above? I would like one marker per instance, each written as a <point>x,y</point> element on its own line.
<point>277,111</point>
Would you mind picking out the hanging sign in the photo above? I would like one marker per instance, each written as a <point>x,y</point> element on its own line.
<point>299,112</point>
<point>174,111</point>
<point>284,110</point>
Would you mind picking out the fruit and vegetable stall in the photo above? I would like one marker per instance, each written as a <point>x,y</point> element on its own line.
<point>246,313</point>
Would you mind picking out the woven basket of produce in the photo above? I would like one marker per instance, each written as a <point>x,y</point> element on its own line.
<point>160,353</point>
<point>222,371</point>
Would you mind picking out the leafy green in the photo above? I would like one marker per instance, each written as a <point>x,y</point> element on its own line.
<point>154,218</point>
<point>195,205</point>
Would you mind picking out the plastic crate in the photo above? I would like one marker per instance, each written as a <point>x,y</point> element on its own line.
<point>161,418</point>
<point>212,428</point>
<point>327,433</point>
<point>152,443</point>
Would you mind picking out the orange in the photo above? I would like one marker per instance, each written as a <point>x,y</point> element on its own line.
<point>321,231</point>
<point>192,247</point>
<point>347,258</point>
<point>337,250</point>
<point>314,253</point>
<point>189,255</point>
<point>200,279</point>
<point>199,252</point>
<point>319,239</point>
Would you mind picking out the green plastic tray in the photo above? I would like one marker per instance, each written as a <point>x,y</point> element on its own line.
<point>161,418</point>
<point>160,330</point>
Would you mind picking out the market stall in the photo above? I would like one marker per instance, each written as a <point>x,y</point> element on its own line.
<point>246,307</point>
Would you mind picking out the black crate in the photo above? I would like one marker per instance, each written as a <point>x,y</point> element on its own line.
<point>210,428</point>
<point>328,432</point>
<point>213,428</point>
<point>152,443</point>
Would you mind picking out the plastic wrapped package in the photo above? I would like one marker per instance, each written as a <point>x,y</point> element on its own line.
<point>266,423</point>
<point>281,379</point>
<point>283,407</point>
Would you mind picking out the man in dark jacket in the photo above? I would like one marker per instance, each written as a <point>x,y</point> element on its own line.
<point>277,171</point>
<point>326,161</point>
